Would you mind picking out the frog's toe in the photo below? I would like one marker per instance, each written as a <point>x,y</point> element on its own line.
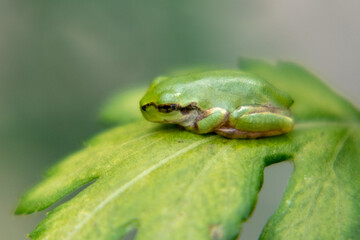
<point>236,133</point>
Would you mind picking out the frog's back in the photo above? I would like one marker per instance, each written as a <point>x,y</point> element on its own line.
<point>228,89</point>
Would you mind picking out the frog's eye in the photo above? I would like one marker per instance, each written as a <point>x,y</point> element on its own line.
<point>189,108</point>
<point>166,108</point>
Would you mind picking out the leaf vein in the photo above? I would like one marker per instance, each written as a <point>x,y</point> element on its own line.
<point>124,187</point>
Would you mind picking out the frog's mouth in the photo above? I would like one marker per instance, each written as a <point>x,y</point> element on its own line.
<point>170,112</point>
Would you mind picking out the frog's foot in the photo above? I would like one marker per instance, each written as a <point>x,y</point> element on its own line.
<point>209,120</point>
<point>257,121</point>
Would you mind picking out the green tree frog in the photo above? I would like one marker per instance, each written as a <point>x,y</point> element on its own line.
<point>231,103</point>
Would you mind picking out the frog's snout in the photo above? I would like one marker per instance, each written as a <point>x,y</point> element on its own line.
<point>146,106</point>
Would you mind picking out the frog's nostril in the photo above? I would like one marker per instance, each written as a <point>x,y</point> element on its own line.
<point>144,108</point>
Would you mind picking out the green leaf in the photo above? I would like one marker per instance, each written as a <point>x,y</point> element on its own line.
<point>173,184</point>
<point>123,107</point>
<point>322,200</point>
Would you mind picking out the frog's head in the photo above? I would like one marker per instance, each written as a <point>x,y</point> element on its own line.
<point>166,107</point>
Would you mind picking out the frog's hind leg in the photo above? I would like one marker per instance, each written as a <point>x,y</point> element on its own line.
<point>257,121</point>
<point>209,120</point>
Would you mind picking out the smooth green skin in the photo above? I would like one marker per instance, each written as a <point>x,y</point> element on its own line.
<point>231,103</point>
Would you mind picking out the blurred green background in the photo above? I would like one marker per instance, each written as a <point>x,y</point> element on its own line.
<point>59,61</point>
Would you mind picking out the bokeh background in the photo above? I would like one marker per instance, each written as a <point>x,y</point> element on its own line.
<point>59,61</point>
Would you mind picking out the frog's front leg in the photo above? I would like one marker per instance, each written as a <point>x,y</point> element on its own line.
<point>209,120</point>
<point>254,121</point>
